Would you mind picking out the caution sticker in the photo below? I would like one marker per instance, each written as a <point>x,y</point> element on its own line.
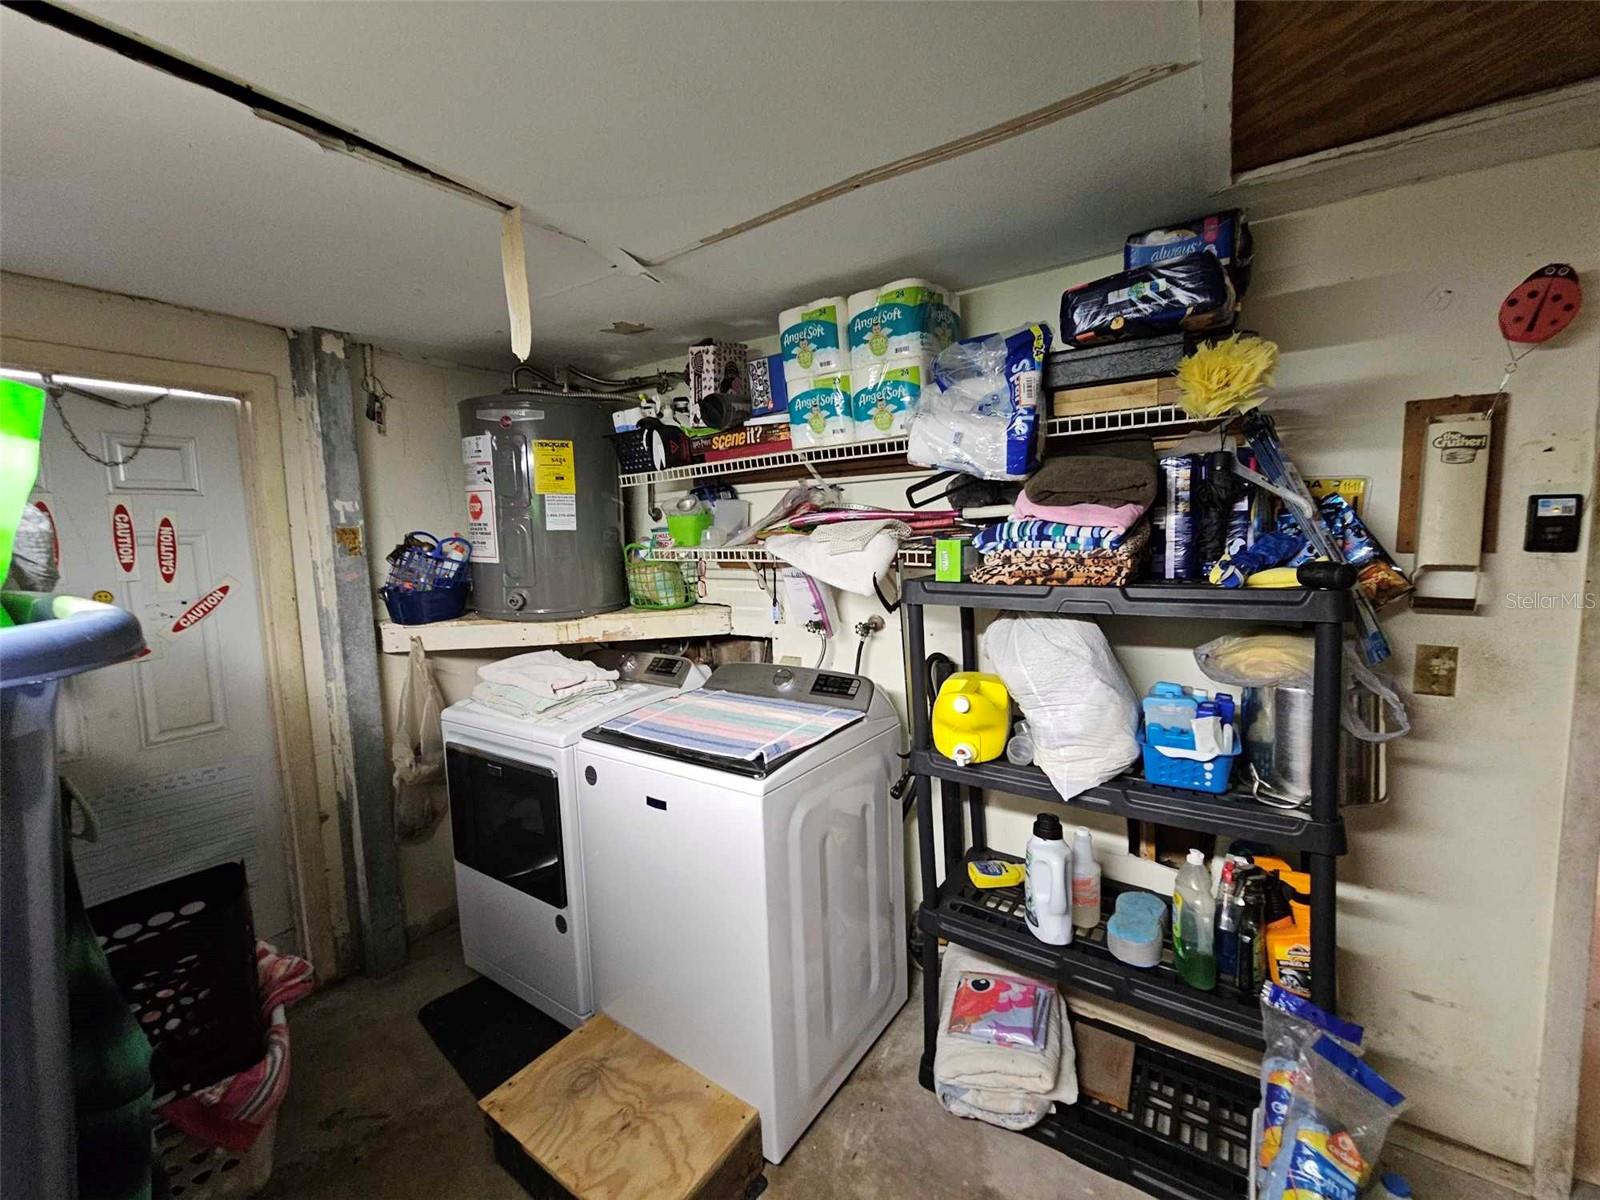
<point>123,543</point>
<point>554,472</point>
<point>167,552</point>
<point>203,607</point>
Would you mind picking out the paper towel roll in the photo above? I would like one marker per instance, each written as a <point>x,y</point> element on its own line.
<point>812,338</point>
<point>910,319</point>
<point>820,412</point>
<point>887,394</point>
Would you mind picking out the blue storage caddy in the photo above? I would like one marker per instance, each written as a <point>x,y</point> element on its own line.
<point>1210,775</point>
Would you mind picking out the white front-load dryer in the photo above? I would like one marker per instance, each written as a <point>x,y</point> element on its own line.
<point>513,815</point>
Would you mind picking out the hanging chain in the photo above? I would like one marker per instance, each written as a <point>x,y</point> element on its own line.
<point>55,391</point>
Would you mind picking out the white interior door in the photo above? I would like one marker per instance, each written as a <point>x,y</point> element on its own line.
<point>175,752</point>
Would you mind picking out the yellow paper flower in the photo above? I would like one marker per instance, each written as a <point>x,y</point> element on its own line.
<point>1227,376</point>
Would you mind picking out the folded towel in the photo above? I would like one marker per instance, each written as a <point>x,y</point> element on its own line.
<point>1012,1072</point>
<point>525,705</point>
<point>1109,516</point>
<point>1122,472</point>
<point>546,673</point>
<point>1009,1110</point>
<point>1045,535</point>
<point>851,571</point>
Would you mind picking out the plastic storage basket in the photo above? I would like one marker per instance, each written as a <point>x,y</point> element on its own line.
<point>1208,775</point>
<point>183,954</point>
<point>427,579</point>
<point>653,446</point>
<point>657,584</point>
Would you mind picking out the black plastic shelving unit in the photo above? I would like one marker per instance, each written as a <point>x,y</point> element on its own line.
<point>1164,1144</point>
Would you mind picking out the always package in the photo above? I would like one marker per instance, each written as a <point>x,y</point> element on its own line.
<point>1225,234</point>
<point>1192,294</point>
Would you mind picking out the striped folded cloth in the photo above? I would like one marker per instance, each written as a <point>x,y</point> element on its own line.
<point>1047,535</point>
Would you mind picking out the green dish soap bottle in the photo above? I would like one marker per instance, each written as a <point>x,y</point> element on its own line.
<point>1194,924</point>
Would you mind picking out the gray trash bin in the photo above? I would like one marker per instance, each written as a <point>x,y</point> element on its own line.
<point>54,637</point>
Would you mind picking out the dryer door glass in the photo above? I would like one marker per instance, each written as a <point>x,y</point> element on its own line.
<point>506,819</point>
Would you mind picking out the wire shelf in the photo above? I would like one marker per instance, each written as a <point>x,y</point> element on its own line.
<point>911,557</point>
<point>1149,417</point>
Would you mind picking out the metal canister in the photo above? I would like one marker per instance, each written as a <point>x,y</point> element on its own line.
<point>1277,745</point>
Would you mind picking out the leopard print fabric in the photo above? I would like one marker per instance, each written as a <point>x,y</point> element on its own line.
<point>1072,568</point>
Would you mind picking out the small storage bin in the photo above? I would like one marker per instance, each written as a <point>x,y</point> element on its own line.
<point>656,583</point>
<point>424,608</point>
<point>183,954</point>
<point>654,446</point>
<point>427,579</point>
<point>1208,775</point>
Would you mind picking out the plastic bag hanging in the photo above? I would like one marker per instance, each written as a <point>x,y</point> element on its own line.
<point>420,799</point>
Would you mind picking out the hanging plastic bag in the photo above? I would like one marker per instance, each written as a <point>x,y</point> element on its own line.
<point>420,800</point>
<point>1289,1026</point>
<point>1264,660</point>
<point>1359,677</point>
<point>982,416</point>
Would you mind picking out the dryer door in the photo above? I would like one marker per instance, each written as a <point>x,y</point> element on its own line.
<point>506,821</point>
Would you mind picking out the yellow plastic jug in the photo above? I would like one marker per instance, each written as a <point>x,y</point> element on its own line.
<point>972,717</point>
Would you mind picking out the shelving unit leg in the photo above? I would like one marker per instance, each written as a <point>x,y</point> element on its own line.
<point>977,821</point>
<point>1327,694</point>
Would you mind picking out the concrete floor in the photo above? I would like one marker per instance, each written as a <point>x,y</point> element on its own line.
<point>374,1111</point>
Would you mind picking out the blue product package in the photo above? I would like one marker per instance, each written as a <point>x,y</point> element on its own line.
<point>1004,374</point>
<point>1179,553</point>
<point>1338,1118</point>
<point>769,391</point>
<point>1224,234</point>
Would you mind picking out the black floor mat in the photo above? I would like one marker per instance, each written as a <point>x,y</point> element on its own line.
<point>487,1034</point>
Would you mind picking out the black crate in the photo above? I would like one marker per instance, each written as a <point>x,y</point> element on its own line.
<point>183,955</point>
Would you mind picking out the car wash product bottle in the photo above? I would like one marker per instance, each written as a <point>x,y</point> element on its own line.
<point>1194,919</point>
<point>1085,881</point>
<point>1288,938</point>
<point>1251,964</point>
<point>1048,892</point>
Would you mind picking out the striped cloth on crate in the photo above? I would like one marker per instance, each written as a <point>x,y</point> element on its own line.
<point>730,725</point>
<point>232,1112</point>
<point>1046,535</point>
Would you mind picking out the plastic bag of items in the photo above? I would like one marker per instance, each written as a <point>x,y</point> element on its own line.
<point>982,417</point>
<point>1192,294</point>
<point>1338,1118</point>
<point>419,789</point>
<point>1083,715</point>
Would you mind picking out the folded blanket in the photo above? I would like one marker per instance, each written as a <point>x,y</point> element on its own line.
<point>548,674</point>
<point>1046,535</point>
<point>1073,568</point>
<point>1009,1110</point>
<point>1000,1079</point>
<point>1111,516</point>
<point>1121,472</point>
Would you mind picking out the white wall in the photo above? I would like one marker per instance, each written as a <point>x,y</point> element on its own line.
<point>1445,901</point>
<point>411,479</point>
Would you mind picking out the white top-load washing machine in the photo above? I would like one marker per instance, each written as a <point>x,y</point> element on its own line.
<point>748,911</point>
<point>514,817</point>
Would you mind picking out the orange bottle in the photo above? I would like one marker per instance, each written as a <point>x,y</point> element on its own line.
<point>1289,933</point>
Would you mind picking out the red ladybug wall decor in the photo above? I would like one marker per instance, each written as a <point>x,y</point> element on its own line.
<point>1542,305</point>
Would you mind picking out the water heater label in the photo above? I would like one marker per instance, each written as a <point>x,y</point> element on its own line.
<point>477,463</point>
<point>554,473</point>
<point>560,512</point>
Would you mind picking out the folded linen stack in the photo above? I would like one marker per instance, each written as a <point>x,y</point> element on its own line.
<point>1079,520</point>
<point>527,685</point>
<point>1012,1086</point>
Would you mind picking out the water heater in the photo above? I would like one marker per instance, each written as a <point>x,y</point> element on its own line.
<point>544,512</point>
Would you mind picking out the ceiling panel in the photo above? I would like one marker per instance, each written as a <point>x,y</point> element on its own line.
<point>118,177</point>
<point>651,125</point>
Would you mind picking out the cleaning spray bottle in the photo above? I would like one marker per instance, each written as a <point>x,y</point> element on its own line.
<point>1048,891</point>
<point>1085,881</point>
<point>1288,940</point>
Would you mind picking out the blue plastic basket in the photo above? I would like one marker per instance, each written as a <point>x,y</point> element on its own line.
<point>424,608</point>
<point>427,582</point>
<point>1210,775</point>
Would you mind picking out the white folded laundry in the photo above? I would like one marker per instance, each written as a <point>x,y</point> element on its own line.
<point>851,571</point>
<point>548,673</point>
<point>1005,1077</point>
<point>518,702</point>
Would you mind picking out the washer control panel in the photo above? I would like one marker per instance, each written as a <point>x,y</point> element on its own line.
<point>831,689</point>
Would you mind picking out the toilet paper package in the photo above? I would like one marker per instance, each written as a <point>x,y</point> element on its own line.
<point>820,412</point>
<point>887,394</point>
<point>906,318</point>
<point>812,338</point>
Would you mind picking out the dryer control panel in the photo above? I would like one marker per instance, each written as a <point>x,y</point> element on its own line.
<point>833,689</point>
<point>644,666</point>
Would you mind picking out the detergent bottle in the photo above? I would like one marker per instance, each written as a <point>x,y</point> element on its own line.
<point>1048,891</point>
<point>1288,917</point>
<point>972,717</point>
<point>1194,916</point>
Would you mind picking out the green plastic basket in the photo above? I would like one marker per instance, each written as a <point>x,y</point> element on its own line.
<point>657,584</point>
